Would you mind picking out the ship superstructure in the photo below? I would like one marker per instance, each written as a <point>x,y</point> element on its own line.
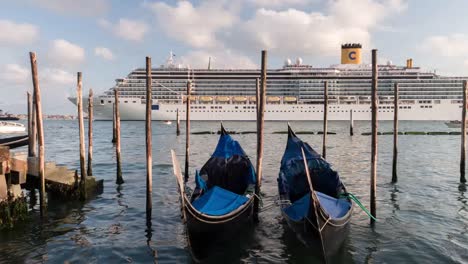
<point>294,92</point>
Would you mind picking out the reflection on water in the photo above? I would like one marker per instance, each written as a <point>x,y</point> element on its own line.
<point>422,219</point>
<point>394,198</point>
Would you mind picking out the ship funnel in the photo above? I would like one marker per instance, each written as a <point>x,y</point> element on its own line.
<point>409,63</point>
<point>351,53</point>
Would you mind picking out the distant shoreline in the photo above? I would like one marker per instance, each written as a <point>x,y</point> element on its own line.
<point>48,117</point>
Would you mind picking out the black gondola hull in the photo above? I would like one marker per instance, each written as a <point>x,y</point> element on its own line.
<point>334,231</point>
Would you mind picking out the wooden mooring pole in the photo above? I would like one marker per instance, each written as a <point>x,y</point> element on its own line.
<point>257,96</point>
<point>395,133</point>
<point>40,130</point>
<point>90,132</point>
<point>33,137</point>
<point>119,179</point>
<point>463,134</point>
<point>114,138</point>
<point>149,153</point>
<point>351,123</point>
<point>30,126</point>
<point>178,123</point>
<point>187,130</point>
<point>325,120</point>
<point>82,132</point>
<point>373,181</point>
<point>260,124</point>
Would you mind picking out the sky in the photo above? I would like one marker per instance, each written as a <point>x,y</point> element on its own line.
<point>106,39</point>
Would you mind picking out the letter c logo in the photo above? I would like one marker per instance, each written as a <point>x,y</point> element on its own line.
<point>352,55</point>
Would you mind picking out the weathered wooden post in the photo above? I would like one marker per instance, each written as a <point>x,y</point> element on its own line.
<point>81,132</point>
<point>463,133</point>
<point>178,123</point>
<point>33,138</point>
<point>395,133</point>
<point>187,130</point>
<point>149,153</point>
<point>260,122</point>
<point>90,132</point>
<point>30,126</point>
<point>114,139</point>
<point>351,123</point>
<point>325,120</point>
<point>40,130</point>
<point>373,185</point>
<point>119,179</point>
<point>257,96</point>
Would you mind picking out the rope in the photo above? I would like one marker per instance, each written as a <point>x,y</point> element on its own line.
<point>356,200</point>
<point>259,199</point>
<point>326,222</point>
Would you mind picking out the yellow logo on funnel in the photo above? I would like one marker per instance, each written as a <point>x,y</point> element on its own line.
<point>351,54</point>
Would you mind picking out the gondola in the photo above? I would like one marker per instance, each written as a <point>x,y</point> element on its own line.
<point>222,201</point>
<point>15,142</point>
<point>332,212</point>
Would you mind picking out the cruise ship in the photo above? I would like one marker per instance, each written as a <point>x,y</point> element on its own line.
<point>294,92</point>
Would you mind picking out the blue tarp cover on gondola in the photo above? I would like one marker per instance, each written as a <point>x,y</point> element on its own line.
<point>218,201</point>
<point>335,208</point>
<point>292,179</point>
<point>224,179</point>
<point>229,167</point>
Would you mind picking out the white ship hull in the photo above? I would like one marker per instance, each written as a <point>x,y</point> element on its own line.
<point>135,110</point>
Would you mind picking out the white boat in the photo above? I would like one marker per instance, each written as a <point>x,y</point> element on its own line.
<point>167,122</point>
<point>454,123</point>
<point>11,127</point>
<point>294,92</point>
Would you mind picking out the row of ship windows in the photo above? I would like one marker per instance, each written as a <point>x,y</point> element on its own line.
<point>287,111</point>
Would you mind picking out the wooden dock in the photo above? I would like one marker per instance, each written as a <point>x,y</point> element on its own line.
<point>61,182</point>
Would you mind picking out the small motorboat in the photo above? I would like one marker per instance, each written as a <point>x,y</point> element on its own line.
<point>167,122</point>
<point>11,127</point>
<point>454,123</point>
<point>7,116</point>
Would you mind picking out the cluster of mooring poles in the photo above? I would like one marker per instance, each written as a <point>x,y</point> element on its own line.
<point>58,178</point>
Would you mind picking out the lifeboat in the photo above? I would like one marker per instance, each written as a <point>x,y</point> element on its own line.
<point>193,98</point>
<point>222,99</point>
<point>290,99</point>
<point>253,99</point>
<point>239,98</point>
<point>206,98</point>
<point>273,99</point>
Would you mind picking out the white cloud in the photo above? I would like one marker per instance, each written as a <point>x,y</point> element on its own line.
<point>14,74</point>
<point>294,31</point>
<point>57,76</point>
<point>104,53</point>
<point>225,59</point>
<point>128,29</point>
<point>16,33</point>
<point>212,25</point>
<point>54,83</point>
<point>194,25</point>
<point>448,46</point>
<point>81,7</point>
<point>65,53</point>
<point>280,3</point>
